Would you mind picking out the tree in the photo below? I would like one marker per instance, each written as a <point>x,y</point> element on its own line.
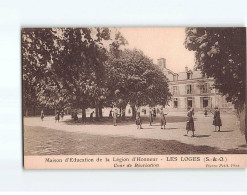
<point>221,53</point>
<point>36,47</point>
<point>134,79</point>
<point>71,62</point>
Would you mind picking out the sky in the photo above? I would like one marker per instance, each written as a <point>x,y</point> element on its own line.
<point>161,43</point>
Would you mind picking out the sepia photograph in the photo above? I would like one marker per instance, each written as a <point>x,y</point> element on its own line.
<point>133,91</point>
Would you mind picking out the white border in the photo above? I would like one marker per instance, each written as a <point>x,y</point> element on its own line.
<point>15,14</point>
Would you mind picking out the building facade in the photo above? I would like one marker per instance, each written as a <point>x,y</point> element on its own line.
<point>190,88</point>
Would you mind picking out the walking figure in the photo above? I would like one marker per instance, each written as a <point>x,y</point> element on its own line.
<point>150,116</point>
<point>162,118</point>
<point>42,115</point>
<point>57,117</point>
<point>217,119</point>
<point>190,122</point>
<point>138,119</point>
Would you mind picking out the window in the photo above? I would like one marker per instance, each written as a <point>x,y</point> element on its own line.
<point>205,102</point>
<point>175,78</point>
<point>189,102</point>
<point>189,75</point>
<point>189,89</point>
<point>205,88</point>
<point>175,90</point>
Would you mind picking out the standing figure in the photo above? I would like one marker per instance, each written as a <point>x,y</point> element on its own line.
<point>91,115</point>
<point>110,114</point>
<point>57,117</point>
<point>154,113</point>
<point>138,119</point>
<point>162,118</point>
<point>62,114</point>
<point>150,116</point>
<point>190,122</point>
<point>42,115</point>
<point>217,119</point>
<point>205,112</point>
<point>115,115</point>
<point>75,116</point>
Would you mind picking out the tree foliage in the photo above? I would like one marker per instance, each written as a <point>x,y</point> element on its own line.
<point>65,66</point>
<point>221,53</point>
<point>134,79</point>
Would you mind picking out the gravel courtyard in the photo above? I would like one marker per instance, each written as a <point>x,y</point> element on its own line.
<point>101,137</point>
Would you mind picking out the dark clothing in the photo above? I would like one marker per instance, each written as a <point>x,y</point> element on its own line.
<point>42,115</point>
<point>138,118</point>
<point>75,117</point>
<point>57,117</point>
<point>150,116</point>
<point>217,120</point>
<point>162,118</point>
<point>154,113</point>
<point>190,122</point>
<point>115,115</point>
<point>110,114</point>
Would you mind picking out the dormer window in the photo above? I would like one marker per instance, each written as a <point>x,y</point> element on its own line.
<point>175,77</point>
<point>188,75</point>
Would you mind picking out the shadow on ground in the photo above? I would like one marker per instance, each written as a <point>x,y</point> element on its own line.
<point>45,141</point>
<point>126,121</point>
<point>225,131</point>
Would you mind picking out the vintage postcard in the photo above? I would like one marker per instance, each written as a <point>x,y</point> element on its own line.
<point>134,98</point>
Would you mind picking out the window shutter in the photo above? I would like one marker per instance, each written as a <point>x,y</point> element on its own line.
<point>192,89</point>
<point>208,87</point>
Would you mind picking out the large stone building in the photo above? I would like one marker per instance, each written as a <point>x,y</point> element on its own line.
<point>190,88</point>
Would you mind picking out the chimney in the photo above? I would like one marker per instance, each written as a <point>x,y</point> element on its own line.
<point>186,69</point>
<point>161,63</point>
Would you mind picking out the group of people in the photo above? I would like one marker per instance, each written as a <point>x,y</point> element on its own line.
<point>152,116</point>
<point>190,120</point>
<point>190,127</point>
<point>58,115</point>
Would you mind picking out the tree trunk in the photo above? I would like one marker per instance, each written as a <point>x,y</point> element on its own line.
<point>97,113</point>
<point>34,111</point>
<point>83,115</point>
<point>245,122</point>
<point>26,111</point>
<point>133,112</point>
<point>120,114</point>
<point>100,112</point>
<point>124,111</point>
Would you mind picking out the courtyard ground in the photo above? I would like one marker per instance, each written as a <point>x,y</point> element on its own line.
<point>101,137</point>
